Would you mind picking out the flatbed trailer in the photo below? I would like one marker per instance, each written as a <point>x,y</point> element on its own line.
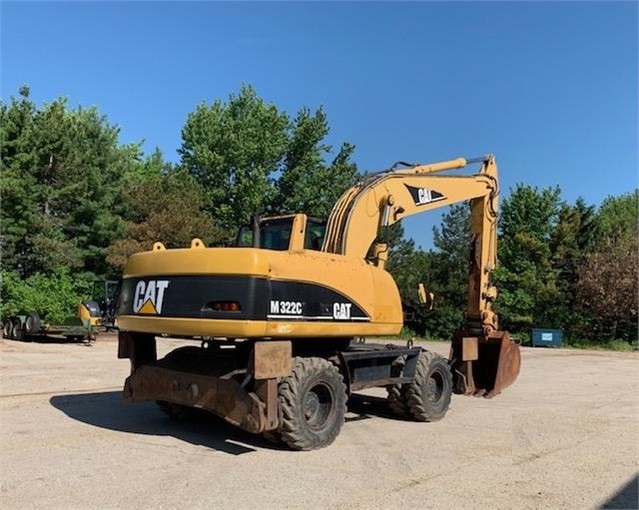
<point>28,326</point>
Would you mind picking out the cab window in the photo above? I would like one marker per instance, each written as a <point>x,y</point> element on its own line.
<point>276,234</point>
<point>315,231</point>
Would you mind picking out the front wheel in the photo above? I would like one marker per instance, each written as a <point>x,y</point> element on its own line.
<point>428,396</point>
<point>312,403</point>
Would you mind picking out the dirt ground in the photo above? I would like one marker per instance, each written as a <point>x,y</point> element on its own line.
<point>563,436</point>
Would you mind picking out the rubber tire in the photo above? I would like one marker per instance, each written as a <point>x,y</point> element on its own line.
<point>430,392</point>
<point>312,382</point>
<point>272,436</point>
<point>32,323</point>
<point>396,393</point>
<point>397,400</point>
<point>7,326</point>
<point>17,333</point>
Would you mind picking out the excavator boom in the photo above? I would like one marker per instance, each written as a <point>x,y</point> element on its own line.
<point>484,358</point>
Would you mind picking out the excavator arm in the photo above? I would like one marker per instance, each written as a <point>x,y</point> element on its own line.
<point>485,360</point>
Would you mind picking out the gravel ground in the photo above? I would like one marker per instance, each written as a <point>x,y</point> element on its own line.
<point>563,436</point>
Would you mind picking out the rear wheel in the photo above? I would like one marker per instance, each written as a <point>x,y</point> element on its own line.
<point>272,436</point>
<point>7,326</point>
<point>396,397</point>
<point>397,400</point>
<point>32,323</point>
<point>17,333</point>
<point>429,394</point>
<point>312,404</point>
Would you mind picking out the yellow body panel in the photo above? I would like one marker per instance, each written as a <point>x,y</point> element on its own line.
<point>371,288</point>
<point>197,261</point>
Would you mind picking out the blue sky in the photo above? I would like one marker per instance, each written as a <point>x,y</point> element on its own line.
<point>550,88</point>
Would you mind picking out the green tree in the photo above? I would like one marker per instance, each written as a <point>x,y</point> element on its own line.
<point>573,236</point>
<point>168,208</point>
<point>19,212</point>
<point>144,169</point>
<point>526,277</point>
<point>54,297</point>
<point>443,271</point>
<point>617,216</point>
<point>251,158</point>
<point>449,278</point>
<point>410,267</point>
<point>307,183</point>
<point>608,275</point>
<point>452,243</point>
<point>61,172</point>
<point>232,149</point>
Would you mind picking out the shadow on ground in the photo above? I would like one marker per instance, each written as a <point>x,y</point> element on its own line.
<point>369,406</point>
<point>626,497</point>
<point>108,410</point>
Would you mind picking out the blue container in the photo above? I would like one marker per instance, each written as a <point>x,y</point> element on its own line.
<point>547,337</point>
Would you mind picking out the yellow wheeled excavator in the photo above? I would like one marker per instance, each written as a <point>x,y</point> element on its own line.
<point>280,316</point>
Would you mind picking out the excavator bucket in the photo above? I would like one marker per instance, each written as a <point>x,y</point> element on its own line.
<point>484,366</point>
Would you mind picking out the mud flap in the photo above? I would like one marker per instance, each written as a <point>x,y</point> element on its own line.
<point>484,366</point>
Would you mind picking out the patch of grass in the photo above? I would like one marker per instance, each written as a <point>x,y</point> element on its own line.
<point>608,345</point>
<point>423,339</point>
<point>524,340</point>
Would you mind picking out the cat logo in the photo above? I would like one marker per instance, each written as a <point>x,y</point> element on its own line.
<point>423,196</point>
<point>342,311</point>
<point>148,297</point>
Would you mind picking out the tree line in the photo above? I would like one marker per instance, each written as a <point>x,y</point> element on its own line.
<point>76,203</point>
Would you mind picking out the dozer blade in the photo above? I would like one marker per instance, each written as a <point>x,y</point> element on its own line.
<point>484,366</point>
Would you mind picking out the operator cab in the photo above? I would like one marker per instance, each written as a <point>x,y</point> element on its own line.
<point>292,232</point>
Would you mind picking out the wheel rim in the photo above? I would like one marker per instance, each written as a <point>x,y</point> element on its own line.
<point>435,387</point>
<point>6,329</point>
<point>318,406</point>
<point>28,324</point>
